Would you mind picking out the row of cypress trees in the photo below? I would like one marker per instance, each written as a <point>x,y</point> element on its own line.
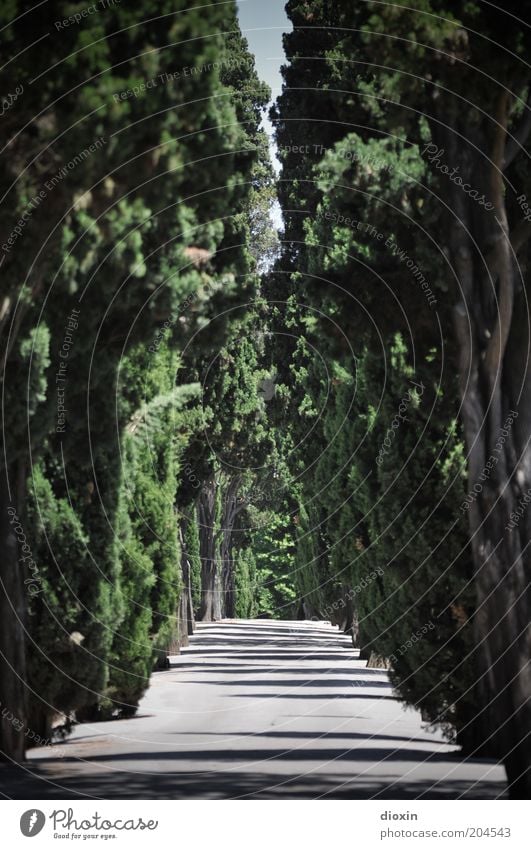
<point>136,186</point>
<point>409,326</point>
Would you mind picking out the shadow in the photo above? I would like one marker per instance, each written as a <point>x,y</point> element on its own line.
<point>287,635</point>
<point>266,655</point>
<point>315,735</point>
<point>205,666</point>
<point>323,698</point>
<point>332,765</point>
<point>233,644</point>
<point>318,681</point>
<point>272,626</point>
<point>374,754</point>
<point>236,784</point>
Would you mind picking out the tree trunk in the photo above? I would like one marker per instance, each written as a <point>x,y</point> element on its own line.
<point>207,547</point>
<point>493,338</point>
<point>364,644</point>
<point>12,641</point>
<point>345,617</point>
<point>186,613</point>
<point>231,508</point>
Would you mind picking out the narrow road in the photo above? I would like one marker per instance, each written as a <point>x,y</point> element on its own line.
<point>259,709</point>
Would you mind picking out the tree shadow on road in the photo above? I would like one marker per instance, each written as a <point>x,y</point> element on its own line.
<point>236,784</point>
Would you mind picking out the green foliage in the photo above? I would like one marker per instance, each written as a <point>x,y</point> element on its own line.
<point>273,546</point>
<point>151,196</point>
<point>285,501</point>
<point>408,479</point>
<point>246,605</point>
<point>147,530</point>
<point>62,591</point>
<point>131,655</point>
<point>191,541</point>
<point>373,498</point>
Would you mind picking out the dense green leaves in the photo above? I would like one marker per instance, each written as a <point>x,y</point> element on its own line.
<point>136,174</point>
<point>380,550</point>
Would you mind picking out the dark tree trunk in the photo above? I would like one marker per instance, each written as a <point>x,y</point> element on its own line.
<point>308,612</point>
<point>218,596</point>
<point>207,546</point>
<point>345,617</point>
<point>228,599</point>
<point>492,329</point>
<point>231,508</point>
<point>364,645</point>
<point>186,612</point>
<point>12,641</point>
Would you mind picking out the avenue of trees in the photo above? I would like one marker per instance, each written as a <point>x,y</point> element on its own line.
<point>204,420</point>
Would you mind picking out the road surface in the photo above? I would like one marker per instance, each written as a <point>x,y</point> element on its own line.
<point>259,709</point>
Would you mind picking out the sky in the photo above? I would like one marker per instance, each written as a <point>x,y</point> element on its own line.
<point>262,23</point>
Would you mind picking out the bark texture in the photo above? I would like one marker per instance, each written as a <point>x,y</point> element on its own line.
<point>210,606</point>
<point>492,332</point>
<point>12,638</point>
<point>231,508</point>
<point>186,611</point>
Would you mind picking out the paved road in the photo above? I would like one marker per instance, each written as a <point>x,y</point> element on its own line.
<point>265,710</point>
